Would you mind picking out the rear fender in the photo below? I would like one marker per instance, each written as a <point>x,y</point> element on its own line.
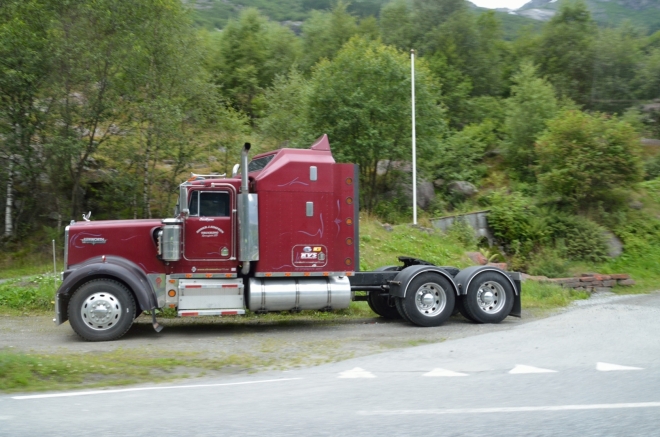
<point>112,267</point>
<point>465,277</point>
<point>399,286</point>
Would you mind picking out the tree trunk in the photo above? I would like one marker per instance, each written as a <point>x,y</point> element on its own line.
<point>9,228</point>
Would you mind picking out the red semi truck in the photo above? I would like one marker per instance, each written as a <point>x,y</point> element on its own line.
<point>282,236</point>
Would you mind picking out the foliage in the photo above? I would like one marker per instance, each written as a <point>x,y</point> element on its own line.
<point>461,232</point>
<point>531,105</point>
<point>584,159</point>
<point>616,62</point>
<point>285,112</point>
<point>324,34</point>
<point>565,51</point>
<point>543,296</point>
<point>581,238</point>
<point>548,262</point>
<point>251,51</point>
<point>360,99</point>
<point>34,293</point>
<point>510,217</point>
<point>460,157</point>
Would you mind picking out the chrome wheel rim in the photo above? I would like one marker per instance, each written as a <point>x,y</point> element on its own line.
<point>430,299</point>
<point>491,297</point>
<point>101,311</point>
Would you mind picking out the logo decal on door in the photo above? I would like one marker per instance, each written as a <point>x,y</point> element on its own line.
<point>210,231</point>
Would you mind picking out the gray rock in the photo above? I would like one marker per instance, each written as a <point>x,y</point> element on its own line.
<point>636,204</point>
<point>462,188</point>
<point>614,245</point>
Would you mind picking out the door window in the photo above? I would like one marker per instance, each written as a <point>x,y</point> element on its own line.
<point>209,204</point>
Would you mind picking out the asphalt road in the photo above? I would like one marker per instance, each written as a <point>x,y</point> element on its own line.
<point>591,371</point>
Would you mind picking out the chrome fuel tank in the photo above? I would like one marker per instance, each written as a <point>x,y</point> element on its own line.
<point>275,294</point>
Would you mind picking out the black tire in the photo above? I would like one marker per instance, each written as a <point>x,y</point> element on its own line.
<point>402,311</point>
<point>489,298</point>
<point>384,306</point>
<point>429,300</point>
<point>101,310</point>
<point>460,307</point>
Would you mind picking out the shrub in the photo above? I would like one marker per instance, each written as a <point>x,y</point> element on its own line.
<point>584,159</point>
<point>583,240</point>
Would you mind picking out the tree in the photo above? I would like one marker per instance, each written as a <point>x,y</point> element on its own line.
<point>251,51</point>
<point>429,14</point>
<point>25,65</point>
<point>361,99</point>
<point>584,159</point>
<point>565,54</point>
<point>531,105</point>
<point>285,115</point>
<point>324,34</point>
<point>396,24</point>
<point>617,58</point>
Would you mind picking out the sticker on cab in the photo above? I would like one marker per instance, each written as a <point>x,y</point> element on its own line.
<point>305,255</point>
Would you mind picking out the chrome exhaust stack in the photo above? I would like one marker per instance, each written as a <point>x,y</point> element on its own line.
<point>248,218</point>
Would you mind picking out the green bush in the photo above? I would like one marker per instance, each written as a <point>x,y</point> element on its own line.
<point>584,159</point>
<point>583,239</point>
<point>461,232</point>
<point>510,216</point>
<point>548,262</point>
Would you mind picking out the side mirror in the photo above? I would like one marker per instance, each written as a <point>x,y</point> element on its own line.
<point>234,171</point>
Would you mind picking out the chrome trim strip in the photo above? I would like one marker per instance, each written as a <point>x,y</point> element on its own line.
<point>202,275</point>
<point>299,274</point>
<point>66,247</point>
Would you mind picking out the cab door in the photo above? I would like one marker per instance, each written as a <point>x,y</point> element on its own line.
<point>209,229</point>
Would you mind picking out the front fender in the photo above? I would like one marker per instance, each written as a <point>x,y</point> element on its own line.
<point>111,267</point>
<point>399,286</point>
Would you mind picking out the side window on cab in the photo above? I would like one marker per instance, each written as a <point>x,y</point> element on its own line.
<point>209,204</point>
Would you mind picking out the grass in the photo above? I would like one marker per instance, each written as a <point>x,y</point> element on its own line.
<point>547,296</point>
<point>31,294</point>
<point>38,372</point>
<point>379,247</point>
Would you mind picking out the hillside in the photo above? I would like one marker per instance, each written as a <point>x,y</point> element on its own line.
<point>645,13</point>
<point>214,14</point>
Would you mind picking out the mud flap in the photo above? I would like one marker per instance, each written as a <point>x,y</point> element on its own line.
<point>157,327</point>
<point>516,311</point>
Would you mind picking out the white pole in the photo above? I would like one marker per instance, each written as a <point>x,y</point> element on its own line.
<point>54,266</point>
<point>414,146</point>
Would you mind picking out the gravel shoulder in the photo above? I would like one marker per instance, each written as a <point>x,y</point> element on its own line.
<point>212,337</point>
<point>254,344</point>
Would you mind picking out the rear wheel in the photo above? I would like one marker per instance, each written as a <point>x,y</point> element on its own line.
<point>384,306</point>
<point>489,298</point>
<point>429,300</point>
<point>460,306</point>
<point>101,310</point>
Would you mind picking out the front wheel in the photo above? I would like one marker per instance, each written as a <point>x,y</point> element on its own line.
<point>429,300</point>
<point>101,310</point>
<point>489,298</point>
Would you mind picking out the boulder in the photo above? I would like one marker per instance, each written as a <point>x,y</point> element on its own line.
<point>462,188</point>
<point>614,245</point>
